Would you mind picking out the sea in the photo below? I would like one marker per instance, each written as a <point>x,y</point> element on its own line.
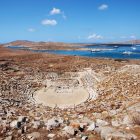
<point>99,51</point>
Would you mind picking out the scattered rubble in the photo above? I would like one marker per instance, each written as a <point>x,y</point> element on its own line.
<point>111,111</point>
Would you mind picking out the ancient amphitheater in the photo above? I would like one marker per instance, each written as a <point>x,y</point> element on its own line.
<point>69,89</point>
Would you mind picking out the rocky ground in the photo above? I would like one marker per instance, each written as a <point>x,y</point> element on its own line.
<point>113,115</point>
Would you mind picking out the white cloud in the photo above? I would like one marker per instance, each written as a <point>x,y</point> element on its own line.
<point>55,11</point>
<point>31,30</point>
<point>103,7</point>
<point>95,36</point>
<point>133,36</point>
<point>51,22</point>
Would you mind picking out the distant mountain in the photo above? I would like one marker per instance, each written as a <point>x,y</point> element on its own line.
<point>60,45</point>
<point>128,42</point>
<point>133,41</point>
<point>20,43</point>
<point>44,45</point>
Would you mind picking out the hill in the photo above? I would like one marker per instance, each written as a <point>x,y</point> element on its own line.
<point>44,45</point>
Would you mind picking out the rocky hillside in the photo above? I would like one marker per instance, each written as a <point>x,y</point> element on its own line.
<point>128,42</point>
<point>44,45</point>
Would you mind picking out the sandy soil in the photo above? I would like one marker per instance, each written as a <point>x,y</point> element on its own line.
<point>51,98</point>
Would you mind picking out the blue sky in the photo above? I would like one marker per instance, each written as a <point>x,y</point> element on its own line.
<point>69,20</point>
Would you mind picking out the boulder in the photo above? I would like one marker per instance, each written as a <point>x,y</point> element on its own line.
<point>51,135</point>
<point>101,122</point>
<point>91,127</point>
<point>22,119</point>
<point>53,123</point>
<point>105,114</point>
<point>15,124</point>
<point>36,124</point>
<point>82,126</point>
<point>69,130</point>
<point>127,120</point>
<point>75,124</point>
<point>85,138</point>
